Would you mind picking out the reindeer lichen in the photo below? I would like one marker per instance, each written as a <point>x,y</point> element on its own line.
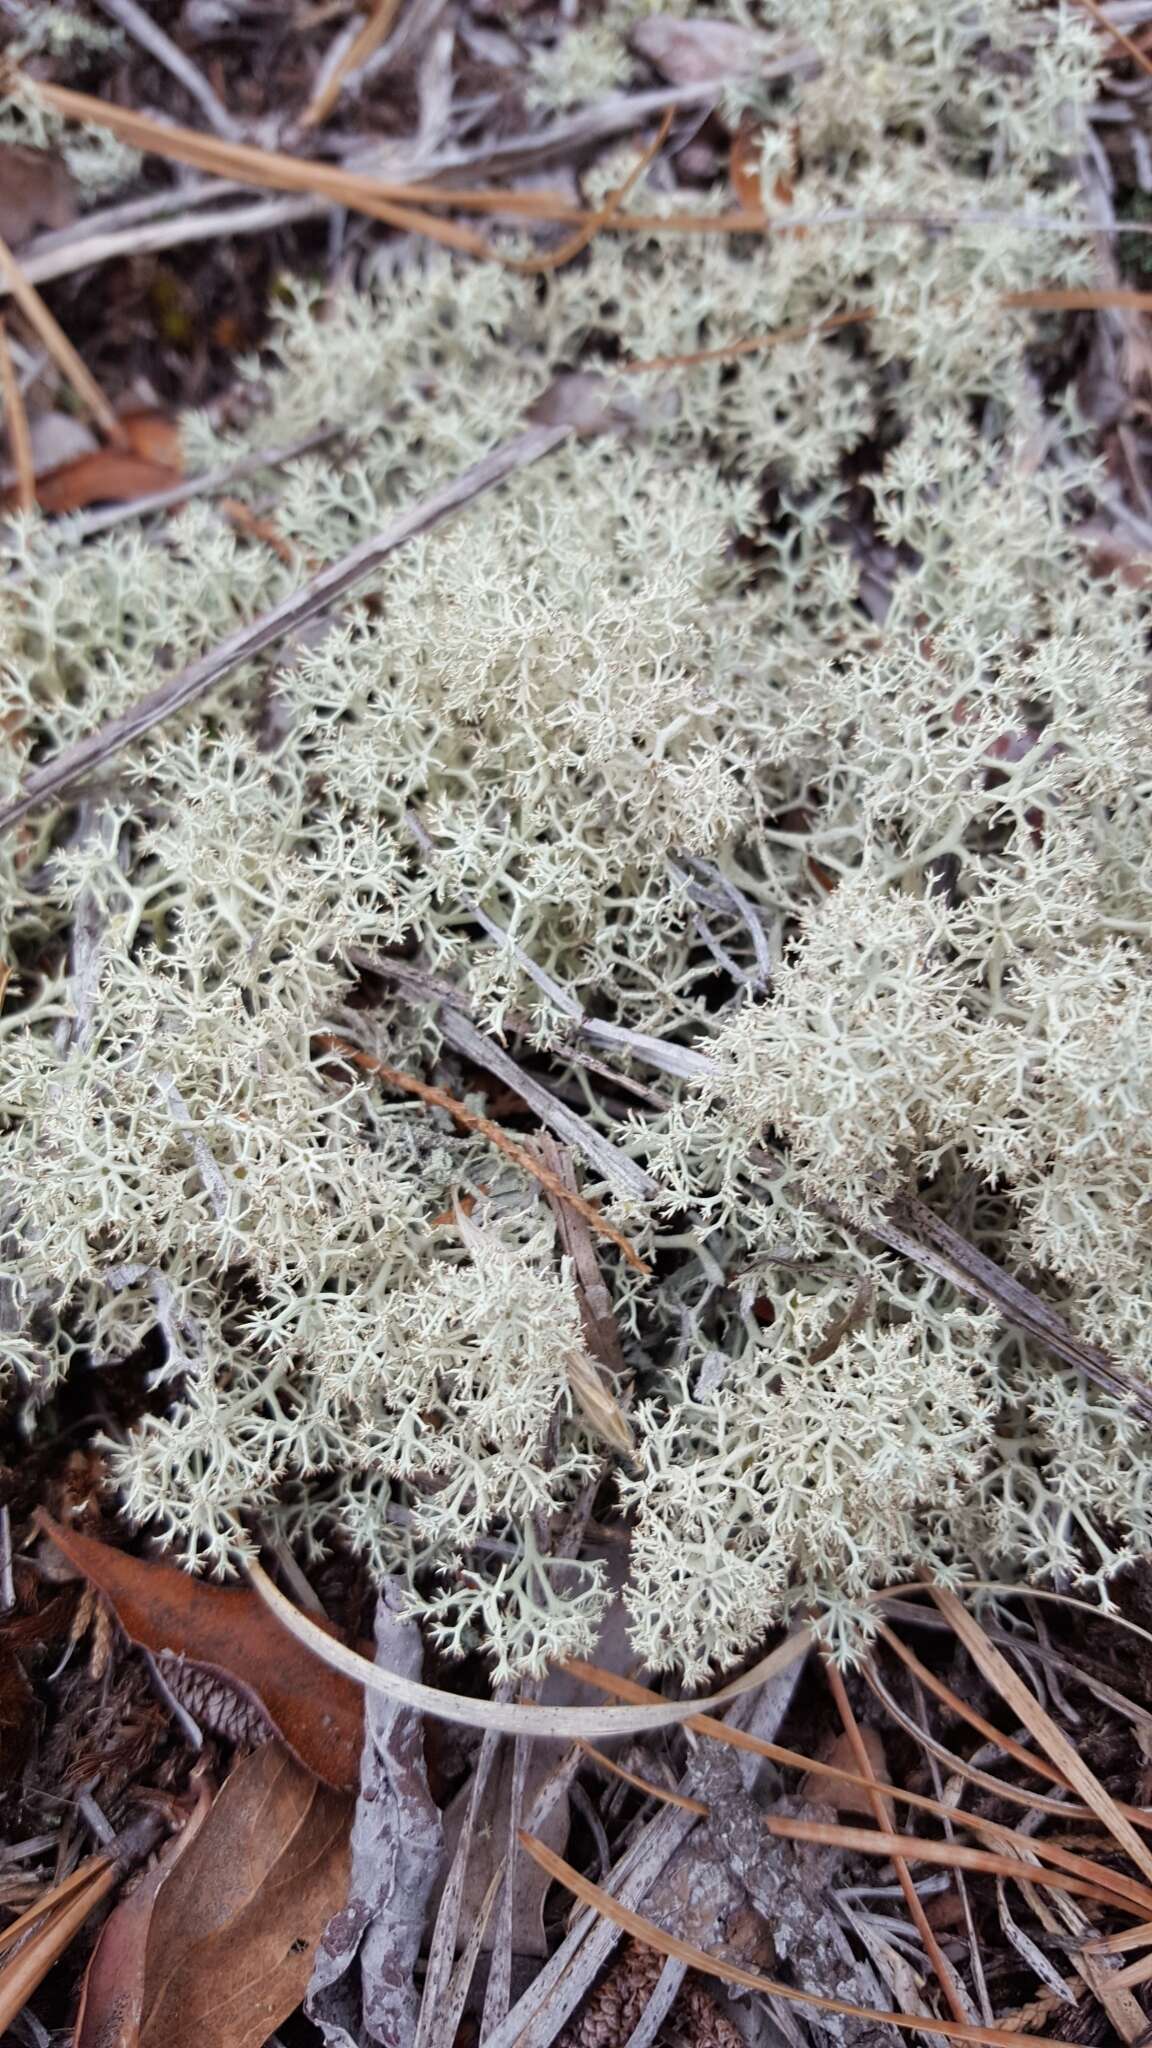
<point>792,727</point>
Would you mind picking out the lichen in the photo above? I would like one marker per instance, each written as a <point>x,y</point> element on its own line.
<point>792,727</point>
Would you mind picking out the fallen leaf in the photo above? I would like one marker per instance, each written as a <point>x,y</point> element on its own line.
<point>150,460</point>
<point>36,191</point>
<point>107,477</point>
<point>112,1994</point>
<point>229,1631</point>
<point>847,1798</point>
<point>363,1977</point>
<point>235,1927</point>
<point>154,437</point>
<point>598,405</point>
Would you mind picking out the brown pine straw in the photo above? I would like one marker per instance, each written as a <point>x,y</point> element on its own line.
<point>278,171</point>
<point>1133,50</point>
<point>554,259</point>
<point>644,1785</point>
<point>1041,1766</point>
<point>958,1766</point>
<point>16,421</point>
<point>470,1120</point>
<point>646,1931</point>
<point>882,1815</point>
<point>35,1942</point>
<point>364,45</point>
<point>59,347</point>
<point>1064,1756</point>
<point>1110,1886</point>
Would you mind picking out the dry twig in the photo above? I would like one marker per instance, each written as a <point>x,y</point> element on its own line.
<point>313,597</point>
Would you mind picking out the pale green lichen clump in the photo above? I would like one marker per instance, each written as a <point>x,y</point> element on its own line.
<point>841,782</point>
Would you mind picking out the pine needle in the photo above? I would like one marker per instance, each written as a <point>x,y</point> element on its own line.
<point>881,1814</point>
<point>471,1120</point>
<point>16,421</point>
<point>750,1980</point>
<point>363,46</point>
<point>59,347</point>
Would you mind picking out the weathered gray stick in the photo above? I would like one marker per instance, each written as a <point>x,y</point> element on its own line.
<point>193,682</point>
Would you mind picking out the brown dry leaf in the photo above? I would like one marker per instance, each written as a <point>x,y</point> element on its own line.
<point>236,1925</point>
<point>849,1796</point>
<point>155,437</point>
<point>112,1994</point>
<point>150,460</point>
<point>229,1631</point>
<point>110,476</point>
<point>36,191</point>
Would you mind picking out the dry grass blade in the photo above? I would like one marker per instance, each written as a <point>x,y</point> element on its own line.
<point>148,33</point>
<point>364,44</point>
<point>595,1399</point>
<point>958,1766</point>
<point>59,347</point>
<point>278,171</point>
<point>1026,1706</point>
<point>1126,1890</point>
<point>470,1120</point>
<point>655,1937</point>
<point>909,1226</point>
<point>1135,1973</point>
<point>16,421</point>
<point>753,344</point>
<point>952,1700</point>
<point>882,1815</point>
<point>1054,299</point>
<point>544,1724</point>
